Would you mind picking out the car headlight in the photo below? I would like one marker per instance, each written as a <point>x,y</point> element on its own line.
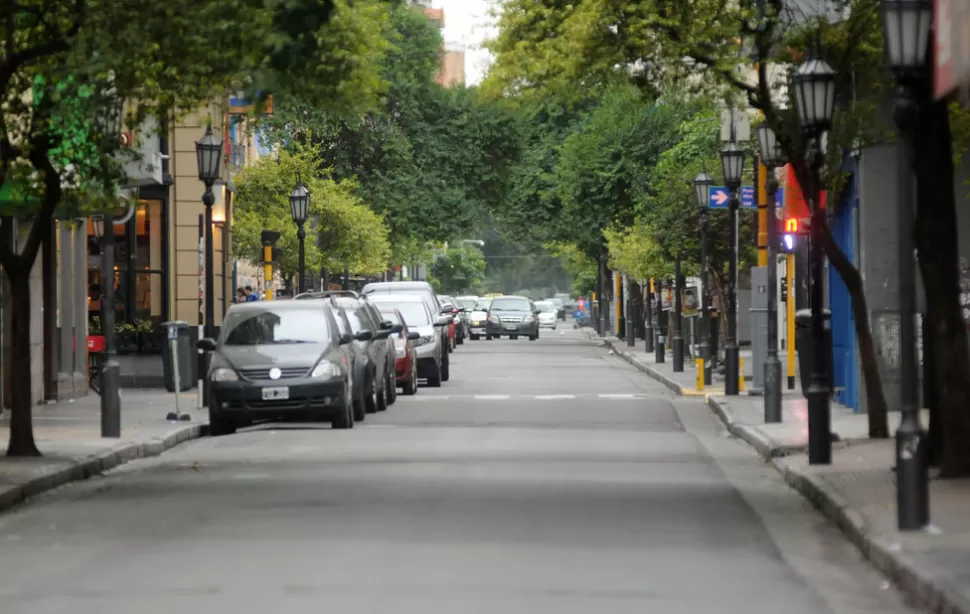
<point>528,319</point>
<point>494,320</point>
<point>326,369</point>
<point>423,341</point>
<point>224,375</point>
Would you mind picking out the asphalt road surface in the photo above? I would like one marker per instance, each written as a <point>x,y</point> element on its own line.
<point>544,477</point>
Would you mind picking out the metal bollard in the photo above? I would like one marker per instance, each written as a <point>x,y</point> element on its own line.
<point>174,350</point>
<point>740,373</point>
<point>700,374</point>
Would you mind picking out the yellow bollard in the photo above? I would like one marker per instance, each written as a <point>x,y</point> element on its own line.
<point>740,374</point>
<point>268,271</point>
<point>700,374</point>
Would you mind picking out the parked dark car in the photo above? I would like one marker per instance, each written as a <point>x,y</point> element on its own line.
<point>424,290</point>
<point>278,360</point>
<point>373,355</point>
<point>512,316</point>
<point>451,306</point>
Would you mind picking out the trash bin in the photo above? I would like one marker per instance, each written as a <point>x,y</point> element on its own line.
<point>806,349</point>
<point>180,332</point>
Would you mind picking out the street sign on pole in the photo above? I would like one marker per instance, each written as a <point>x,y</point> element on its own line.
<point>718,197</point>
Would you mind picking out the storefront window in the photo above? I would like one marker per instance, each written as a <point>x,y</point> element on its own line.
<point>138,268</point>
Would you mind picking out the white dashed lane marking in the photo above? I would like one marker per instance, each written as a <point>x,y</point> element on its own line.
<point>525,397</point>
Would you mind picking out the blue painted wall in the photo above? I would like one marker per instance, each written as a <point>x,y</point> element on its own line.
<point>844,351</point>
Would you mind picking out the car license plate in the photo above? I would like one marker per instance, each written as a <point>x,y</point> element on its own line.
<point>510,327</point>
<point>280,393</point>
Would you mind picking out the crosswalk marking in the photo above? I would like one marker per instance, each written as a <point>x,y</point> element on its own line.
<point>491,397</point>
<point>554,397</point>
<point>617,396</point>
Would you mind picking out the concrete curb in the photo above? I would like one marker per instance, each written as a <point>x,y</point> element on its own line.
<point>97,464</point>
<point>911,576</point>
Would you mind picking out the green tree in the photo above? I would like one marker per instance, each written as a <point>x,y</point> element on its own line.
<point>546,47</point>
<point>341,229</point>
<point>459,271</point>
<point>65,63</point>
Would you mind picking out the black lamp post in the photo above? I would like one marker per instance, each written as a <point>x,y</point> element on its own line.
<point>814,89</point>
<point>300,209</point>
<point>209,154</point>
<point>906,29</point>
<point>732,165</point>
<point>702,188</point>
<point>108,121</point>
<point>772,157</point>
<point>678,341</point>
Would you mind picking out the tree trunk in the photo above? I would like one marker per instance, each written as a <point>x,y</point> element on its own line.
<point>876,406</point>
<point>937,245</point>
<point>21,421</point>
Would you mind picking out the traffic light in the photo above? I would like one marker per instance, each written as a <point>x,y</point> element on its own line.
<point>790,229</point>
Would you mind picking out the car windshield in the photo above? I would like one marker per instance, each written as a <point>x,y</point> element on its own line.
<point>546,306</point>
<point>483,304</point>
<point>355,325</point>
<point>558,302</point>
<point>468,303</point>
<point>415,313</point>
<point>511,304</point>
<point>391,316</point>
<point>267,326</point>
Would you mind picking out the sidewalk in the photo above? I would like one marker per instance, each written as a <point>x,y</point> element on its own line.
<point>69,436</point>
<point>857,491</point>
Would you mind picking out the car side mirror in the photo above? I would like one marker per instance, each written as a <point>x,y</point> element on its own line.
<point>387,325</point>
<point>346,338</point>
<point>364,335</point>
<point>397,328</point>
<point>443,321</point>
<point>384,334</point>
<point>414,335</point>
<point>206,345</point>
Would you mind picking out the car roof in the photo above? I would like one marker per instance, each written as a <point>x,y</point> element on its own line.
<point>405,298</point>
<point>525,298</point>
<point>280,305</point>
<point>397,285</point>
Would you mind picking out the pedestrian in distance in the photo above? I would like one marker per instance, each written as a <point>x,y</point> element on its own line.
<point>240,295</point>
<point>250,295</point>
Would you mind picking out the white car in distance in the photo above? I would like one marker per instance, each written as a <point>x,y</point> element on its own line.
<point>548,314</point>
<point>478,318</point>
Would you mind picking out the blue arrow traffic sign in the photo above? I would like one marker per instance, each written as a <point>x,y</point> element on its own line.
<point>718,197</point>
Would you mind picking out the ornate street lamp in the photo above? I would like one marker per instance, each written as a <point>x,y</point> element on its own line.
<point>773,157</point>
<point>814,90</point>
<point>209,152</point>
<point>702,190</point>
<point>300,210</point>
<point>732,164</point>
<point>906,30</point>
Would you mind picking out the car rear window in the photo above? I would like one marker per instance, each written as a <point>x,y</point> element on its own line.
<point>511,304</point>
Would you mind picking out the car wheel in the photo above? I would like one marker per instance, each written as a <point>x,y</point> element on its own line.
<point>345,419</point>
<point>371,397</point>
<point>460,340</point>
<point>380,399</point>
<point>434,380</point>
<point>533,337</point>
<point>445,369</point>
<point>360,406</point>
<point>474,337</point>
<point>220,425</point>
<point>488,337</point>
<point>411,386</point>
<point>390,388</point>
<point>513,337</point>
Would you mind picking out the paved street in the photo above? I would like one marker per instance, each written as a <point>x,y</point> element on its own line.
<point>545,476</point>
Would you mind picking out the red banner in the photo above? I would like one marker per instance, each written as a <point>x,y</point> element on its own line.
<point>795,205</point>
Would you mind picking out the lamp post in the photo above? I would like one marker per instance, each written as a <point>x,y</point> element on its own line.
<point>702,188</point>
<point>208,152</point>
<point>678,342</point>
<point>814,89</point>
<point>299,210</point>
<point>906,28</point>
<point>732,165</point>
<point>772,157</point>
<point>108,121</point>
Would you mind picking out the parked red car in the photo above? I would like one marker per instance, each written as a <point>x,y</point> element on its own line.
<point>405,361</point>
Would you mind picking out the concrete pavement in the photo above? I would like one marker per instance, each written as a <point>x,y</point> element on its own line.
<point>68,434</point>
<point>545,476</point>
<point>856,492</point>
